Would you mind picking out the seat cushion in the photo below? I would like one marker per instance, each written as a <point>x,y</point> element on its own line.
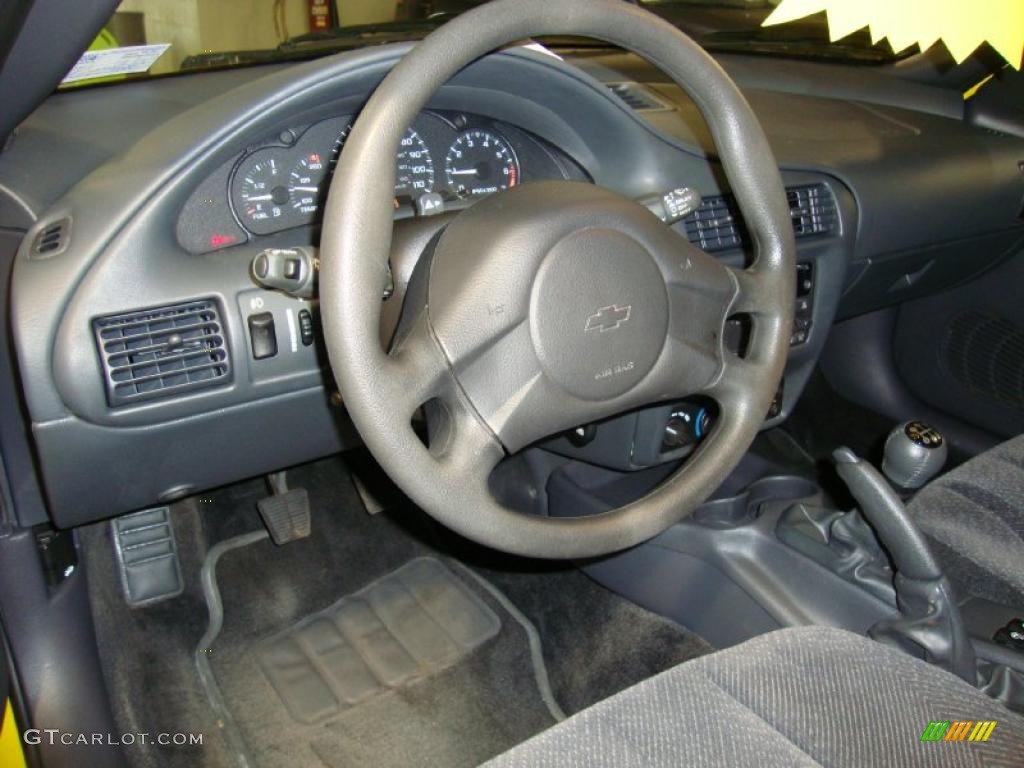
<point>811,696</point>
<point>974,517</point>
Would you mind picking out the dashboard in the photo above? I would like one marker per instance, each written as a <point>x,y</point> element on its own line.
<point>141,207</point>
<point>445,160</point>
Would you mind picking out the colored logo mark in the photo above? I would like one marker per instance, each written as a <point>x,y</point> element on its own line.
<point>959,730</point>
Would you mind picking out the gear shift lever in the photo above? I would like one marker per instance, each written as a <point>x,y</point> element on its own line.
<point>929,617</point>
<point>914,454</point>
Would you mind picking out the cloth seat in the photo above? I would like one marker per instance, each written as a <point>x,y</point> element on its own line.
<point>974,519</point>
<point>809,696</point>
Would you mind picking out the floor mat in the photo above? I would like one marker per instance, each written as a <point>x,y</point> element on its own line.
<point>422,666</point>
<point>408,625</point>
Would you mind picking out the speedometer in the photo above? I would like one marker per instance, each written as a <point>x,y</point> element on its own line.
<point>479,163</point>
<point>307,182</point>
<point>414,168</point>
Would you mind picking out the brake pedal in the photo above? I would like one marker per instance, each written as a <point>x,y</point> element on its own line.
<point>286,515</point>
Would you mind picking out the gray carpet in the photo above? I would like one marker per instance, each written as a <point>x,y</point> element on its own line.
<point>595,643</point>
<point>147,652</point>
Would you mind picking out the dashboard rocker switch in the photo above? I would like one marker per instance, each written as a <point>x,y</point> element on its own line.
<point>290,270</point>
<point>262,335</point>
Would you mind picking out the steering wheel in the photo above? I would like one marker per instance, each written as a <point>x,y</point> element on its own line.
<point>551,304</point>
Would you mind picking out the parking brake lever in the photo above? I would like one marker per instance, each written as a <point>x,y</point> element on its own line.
<point>929,617</point>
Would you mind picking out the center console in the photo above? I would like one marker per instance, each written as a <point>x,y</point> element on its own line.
<point>770,549</point>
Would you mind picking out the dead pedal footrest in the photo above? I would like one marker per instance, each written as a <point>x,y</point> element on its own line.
<point>286,515</point>
<point>147,555</point>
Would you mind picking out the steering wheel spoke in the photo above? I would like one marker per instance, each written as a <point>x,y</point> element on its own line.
<point>457,439</point>
<point>464,447</point>
<point>417,366</point>
<point>734,383</point>
<point>753,297</point>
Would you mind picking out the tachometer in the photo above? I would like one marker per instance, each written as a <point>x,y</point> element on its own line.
<point>479,163</point>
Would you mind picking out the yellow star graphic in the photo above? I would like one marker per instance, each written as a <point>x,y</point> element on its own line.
<point>962,25</point>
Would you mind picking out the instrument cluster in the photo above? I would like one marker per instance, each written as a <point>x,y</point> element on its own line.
<point>442,159</point>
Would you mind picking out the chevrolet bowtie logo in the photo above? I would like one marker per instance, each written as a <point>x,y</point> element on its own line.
<point>608,318</point>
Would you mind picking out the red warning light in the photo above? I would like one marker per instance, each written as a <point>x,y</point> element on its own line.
<point>220,240</point>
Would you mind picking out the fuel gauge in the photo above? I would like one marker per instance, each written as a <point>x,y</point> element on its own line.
<point>262,195</point>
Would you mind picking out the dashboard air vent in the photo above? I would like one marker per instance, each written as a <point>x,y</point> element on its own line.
<point>639,98</point>
<point>162,352</point>
<point>813,209</point>
<point>717,226</point>
<point>52,239</point>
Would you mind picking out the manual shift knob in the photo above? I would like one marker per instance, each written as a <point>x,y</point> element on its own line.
<point>914,454</point>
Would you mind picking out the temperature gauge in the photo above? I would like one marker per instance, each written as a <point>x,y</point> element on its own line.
<point>305,182</point>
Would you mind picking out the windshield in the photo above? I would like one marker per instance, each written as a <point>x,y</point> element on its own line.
<point>189,35</point>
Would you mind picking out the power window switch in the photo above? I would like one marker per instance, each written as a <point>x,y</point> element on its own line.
<point>262,335</point>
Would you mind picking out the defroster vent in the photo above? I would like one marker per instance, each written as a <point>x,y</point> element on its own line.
<point>639,98</point>
<point>51,240</point>
<point>162,352</point>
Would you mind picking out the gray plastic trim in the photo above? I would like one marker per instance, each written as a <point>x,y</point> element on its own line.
<point>729,581</point>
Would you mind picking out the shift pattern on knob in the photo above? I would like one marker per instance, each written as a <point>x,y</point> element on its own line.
<point>914,454</point>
